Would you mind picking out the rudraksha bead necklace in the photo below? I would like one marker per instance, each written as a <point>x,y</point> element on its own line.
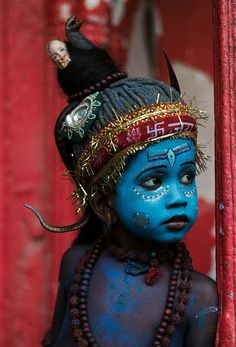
<point>182,269</point>
<point>98,86</point>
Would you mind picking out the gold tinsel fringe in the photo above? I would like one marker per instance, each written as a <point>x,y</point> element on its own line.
<point>107,178</point>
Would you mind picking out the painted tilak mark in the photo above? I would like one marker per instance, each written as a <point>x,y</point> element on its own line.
<point>170,154</point>
<point>171,157</point>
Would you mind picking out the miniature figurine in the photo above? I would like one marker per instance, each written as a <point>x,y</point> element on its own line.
<point>58,53</point>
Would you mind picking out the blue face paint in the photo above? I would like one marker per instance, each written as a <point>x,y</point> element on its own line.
<point>156,197</point>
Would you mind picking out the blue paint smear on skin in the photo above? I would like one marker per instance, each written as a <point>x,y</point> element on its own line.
<point>126,278</point>
<point>119,298</point>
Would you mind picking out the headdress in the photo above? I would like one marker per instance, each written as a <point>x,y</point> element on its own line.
<point>112,117</point>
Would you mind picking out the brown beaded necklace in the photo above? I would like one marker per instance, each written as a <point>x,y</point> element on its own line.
<point>182,268</point>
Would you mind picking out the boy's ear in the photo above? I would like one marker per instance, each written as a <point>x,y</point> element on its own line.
<point>103,207</point>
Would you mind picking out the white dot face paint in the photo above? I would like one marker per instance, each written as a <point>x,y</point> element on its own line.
<point>150,197</point>
<point>190,193</point>
<point>159,192</point>
<point>57,51</point>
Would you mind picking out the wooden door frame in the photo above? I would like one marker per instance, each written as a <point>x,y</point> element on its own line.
<point>224,37</point>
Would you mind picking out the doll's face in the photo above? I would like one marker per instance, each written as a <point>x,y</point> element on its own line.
<point>156,197</point>
<point>58,53</point>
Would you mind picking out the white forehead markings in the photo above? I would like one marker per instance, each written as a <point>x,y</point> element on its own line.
<point>170,154</point>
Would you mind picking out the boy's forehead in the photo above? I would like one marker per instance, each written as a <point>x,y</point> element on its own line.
<point>179,145</point>
<point>169,150</point>
<point>162,153</point>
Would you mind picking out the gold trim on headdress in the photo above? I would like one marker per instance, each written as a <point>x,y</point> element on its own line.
<point>106,142</point>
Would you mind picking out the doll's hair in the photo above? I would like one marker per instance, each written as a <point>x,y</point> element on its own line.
<point>87,67</point>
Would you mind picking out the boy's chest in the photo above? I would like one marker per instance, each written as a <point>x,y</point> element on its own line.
<point>123,310</point>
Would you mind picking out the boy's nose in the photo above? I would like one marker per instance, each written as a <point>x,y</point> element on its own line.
<point>176,198</point>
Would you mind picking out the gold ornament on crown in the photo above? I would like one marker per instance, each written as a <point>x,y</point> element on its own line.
<point>90,183</point>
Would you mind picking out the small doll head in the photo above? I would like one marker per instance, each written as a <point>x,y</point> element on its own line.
<point>59,54</point>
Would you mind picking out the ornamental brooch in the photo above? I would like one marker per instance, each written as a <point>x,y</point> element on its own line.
<point>79,120</point>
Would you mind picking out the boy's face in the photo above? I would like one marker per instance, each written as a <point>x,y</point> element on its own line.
<point>156,197</point>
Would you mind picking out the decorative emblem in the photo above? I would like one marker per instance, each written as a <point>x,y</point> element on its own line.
<point>136,268</point>
<point>171,157</point>
<point>80,119</point>
<point>133,134</point>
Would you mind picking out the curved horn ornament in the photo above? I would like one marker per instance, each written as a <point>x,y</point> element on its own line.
<point>57,229</point>
<point>172,76</point>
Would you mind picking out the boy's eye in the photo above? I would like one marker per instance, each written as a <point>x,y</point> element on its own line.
<point>152,183</point>
<point>187,178</point>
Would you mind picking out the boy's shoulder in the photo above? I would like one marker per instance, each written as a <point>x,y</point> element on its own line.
<point>70,260</point>
<point>203,294</point>
<point>203,283</point>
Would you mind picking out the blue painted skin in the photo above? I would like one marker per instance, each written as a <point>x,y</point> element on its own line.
<point>158,183</point>
<point>151,191</point>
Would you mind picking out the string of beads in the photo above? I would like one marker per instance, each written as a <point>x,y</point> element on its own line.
<point>98,86</point>
<point>180,279</point>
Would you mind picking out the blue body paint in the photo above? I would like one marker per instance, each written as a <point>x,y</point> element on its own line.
<point>157,185</point>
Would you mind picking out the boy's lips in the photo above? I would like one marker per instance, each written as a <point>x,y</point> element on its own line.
<point>177,222</point>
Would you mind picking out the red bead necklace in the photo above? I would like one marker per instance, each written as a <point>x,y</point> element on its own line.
<point>181,272</point>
